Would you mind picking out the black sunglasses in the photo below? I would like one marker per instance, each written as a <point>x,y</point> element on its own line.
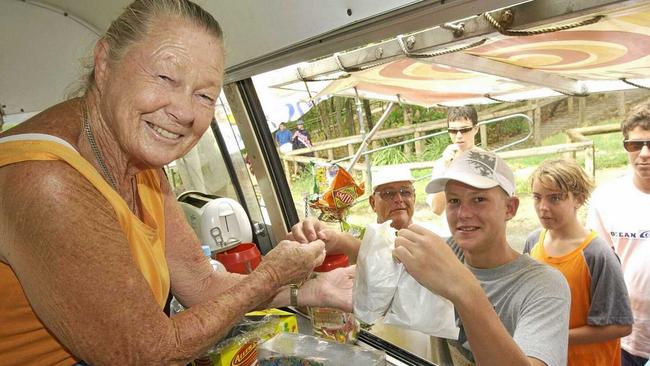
<point>463,130</point>
<point>389,194</point>
<point>635,145</point>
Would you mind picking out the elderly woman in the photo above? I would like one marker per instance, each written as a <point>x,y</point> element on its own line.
<point>92,238</point>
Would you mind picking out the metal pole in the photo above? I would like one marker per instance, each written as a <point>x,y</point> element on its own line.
<point>362,133</point>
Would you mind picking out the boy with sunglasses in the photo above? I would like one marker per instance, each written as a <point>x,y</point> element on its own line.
<point>618,214</point>
<point>462,129</point>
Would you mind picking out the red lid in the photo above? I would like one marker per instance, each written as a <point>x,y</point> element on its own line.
<point>241,259</point>
<point>333,261</point>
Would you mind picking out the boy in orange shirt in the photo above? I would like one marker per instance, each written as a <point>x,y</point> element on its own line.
<point>600,306</point>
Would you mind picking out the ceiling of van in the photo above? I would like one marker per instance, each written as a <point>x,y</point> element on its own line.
<point>43,42</point>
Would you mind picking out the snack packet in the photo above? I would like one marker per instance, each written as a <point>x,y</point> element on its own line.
<point>341,194</point>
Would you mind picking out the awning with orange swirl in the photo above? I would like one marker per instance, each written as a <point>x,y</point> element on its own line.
<point>597,56</point>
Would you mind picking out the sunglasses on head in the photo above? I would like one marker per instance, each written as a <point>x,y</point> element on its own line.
<point>389,194</point>
<point>635,145</point>
<point>463,130</point>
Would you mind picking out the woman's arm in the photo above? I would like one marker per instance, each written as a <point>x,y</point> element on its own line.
<point>193,279</point>
<point>75,266</point>
<point>331,289</point>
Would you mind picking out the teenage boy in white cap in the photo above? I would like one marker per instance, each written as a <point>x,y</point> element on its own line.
<point>513,310</point>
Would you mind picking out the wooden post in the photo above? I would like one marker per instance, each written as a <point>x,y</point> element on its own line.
<point>351,150</point>
<point>330,154</point>
<point>582,110</point>
<point>419,148</point>
<point>569,155</point>
<point>590,163</point>
<point>537,126</point>
<point>287,170</point>
<point>569,105</point>
<point>620,98</point>
<point>483,131</point>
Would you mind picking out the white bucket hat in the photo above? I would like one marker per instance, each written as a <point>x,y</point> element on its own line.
<point>479,169</point>
<point>390,174</point>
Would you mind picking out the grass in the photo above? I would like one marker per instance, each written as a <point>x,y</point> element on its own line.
<point>609,156</point>
<point>608,148</point>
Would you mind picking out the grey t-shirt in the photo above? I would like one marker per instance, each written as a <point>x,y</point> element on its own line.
<point>532,300</point>
<point>610,303</point>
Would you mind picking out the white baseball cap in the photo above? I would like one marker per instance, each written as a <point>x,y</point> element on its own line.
<point>390,174</point>
<point>479,169</point>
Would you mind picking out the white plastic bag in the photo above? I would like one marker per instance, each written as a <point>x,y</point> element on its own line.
<point>415,307</point>
<point>377,273</point>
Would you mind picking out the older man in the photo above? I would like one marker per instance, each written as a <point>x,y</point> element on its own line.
<point>392,198</point>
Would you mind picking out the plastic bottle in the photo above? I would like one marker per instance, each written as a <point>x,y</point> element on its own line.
<point>216,265</point>
<point>329,323</point>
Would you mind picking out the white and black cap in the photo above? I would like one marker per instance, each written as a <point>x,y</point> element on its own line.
<point>479,169</point>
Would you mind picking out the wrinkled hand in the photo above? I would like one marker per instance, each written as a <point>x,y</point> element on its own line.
<point>431,262</point>
<point>291,262</point>
<point>330,289</point>
<point>311,229</point>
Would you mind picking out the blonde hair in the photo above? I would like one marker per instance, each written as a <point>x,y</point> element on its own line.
<point>565,175</point>
<point>137,19</point>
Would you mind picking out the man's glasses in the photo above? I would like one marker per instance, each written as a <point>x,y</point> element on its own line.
<point>389,194</point>
<point>463,130</point>
<point>635,145</point>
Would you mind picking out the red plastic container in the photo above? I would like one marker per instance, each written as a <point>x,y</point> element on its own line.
<point>333,261</point>
<point>243,258</point>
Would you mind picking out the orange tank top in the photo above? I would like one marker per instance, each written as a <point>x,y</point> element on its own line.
<point>575,269</point>
<point>24,340</point>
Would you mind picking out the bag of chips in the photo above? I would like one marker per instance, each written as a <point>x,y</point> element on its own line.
<point>341,194</point>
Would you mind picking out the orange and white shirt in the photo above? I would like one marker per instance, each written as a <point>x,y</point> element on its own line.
<point>618,212</point>
<point>598,294</point>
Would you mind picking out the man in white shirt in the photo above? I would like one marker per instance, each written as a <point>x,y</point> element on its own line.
<point>462,128</point>
<point>618,213</point>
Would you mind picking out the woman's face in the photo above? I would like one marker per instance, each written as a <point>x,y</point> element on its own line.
<point>159,99</point>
